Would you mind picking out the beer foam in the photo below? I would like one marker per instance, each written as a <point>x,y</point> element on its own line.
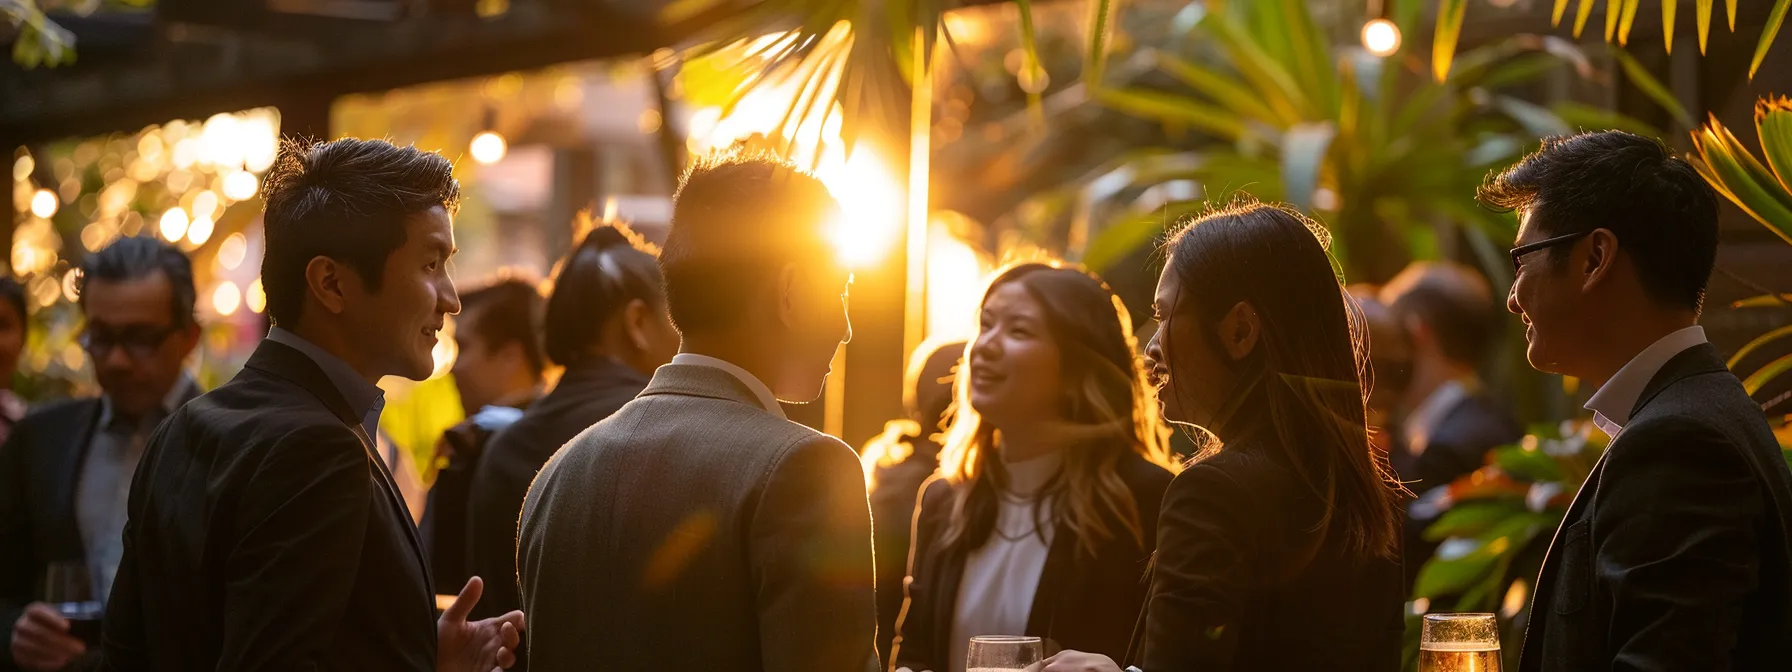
<point>1459,647</point>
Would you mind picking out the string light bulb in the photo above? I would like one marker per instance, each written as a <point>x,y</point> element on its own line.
<point>488,147</point>
<point>1381,37</point>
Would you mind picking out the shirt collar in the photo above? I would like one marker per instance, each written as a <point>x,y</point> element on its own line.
<point>184,390</point>
<point>364,398</point>
<point>766,398</point>
<point>1424,420</point>
<point>1612,404</point>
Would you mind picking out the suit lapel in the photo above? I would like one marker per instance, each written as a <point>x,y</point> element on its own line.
<point>1057,578</point>
<point>290,364</point>
<point>70,451</point>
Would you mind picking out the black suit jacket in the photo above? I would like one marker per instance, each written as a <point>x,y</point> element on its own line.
<point>895,489</point>
<point>265,534</point>
<point>1082,603</point>
<point>1677,552</point>
<point>695,530</point>
<point>1455,448</point>
<point>586,393</point>
<point>1241,582</point>
<point>40,465</point>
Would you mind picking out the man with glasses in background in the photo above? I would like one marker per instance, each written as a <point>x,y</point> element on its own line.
<point>66,470</point>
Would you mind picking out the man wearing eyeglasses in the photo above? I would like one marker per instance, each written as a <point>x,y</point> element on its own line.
<point>66,470</point>
<point>1677,552</point>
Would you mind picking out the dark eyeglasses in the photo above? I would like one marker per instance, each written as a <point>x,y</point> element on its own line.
<point>1519,253</point>
<point>138,342</point>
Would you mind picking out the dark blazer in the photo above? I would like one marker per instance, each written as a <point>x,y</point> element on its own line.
<point>1677,552</point>
<point>587,392</point>
<point>895,489</point>
<point>1456,448</point>
<point>40,465</point>
<point>1082,603</point>
<point>1241,580</point>
<point>265,534</point>
<point>695,530</point>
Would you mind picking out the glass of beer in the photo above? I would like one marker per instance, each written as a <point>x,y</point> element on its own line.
<point>1459,643</point>
<point>68,588</point>
<point>1004,653</point>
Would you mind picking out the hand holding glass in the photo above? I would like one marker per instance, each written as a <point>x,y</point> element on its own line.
<point>69,590</point>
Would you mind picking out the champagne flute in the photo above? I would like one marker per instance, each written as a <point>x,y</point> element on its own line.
<point>68,588</point>
<point>1459,643</point>
<point>1005,653</point>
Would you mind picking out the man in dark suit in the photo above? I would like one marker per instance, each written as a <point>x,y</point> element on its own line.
<point>697,528</point>
<point>1677,552</point>
<point>1448,421</point>
<point>265,532</point>
<point>606,322</point>
<point>66,471</point>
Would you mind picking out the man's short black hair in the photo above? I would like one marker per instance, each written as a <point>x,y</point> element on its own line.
<point>609,269</point>
<point>1662,212</point>
<point>133,257</point>
<point>1454,301</point>
<point>14,293</point>
<point>505,311</point>
<point>736,221</point>
<point>347,200</point>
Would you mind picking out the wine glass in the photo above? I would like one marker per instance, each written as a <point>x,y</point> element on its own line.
<point>1459,643</point>
<point>1004,653</point>
<point>68,588</point>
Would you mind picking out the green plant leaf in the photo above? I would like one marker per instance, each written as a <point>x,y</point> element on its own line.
<point>1533,117</point>
<point>1174,109</point>
<point>1760,378</point>
<point>1223,89</point>
<point>1449,577</point>
<point>1583,117</point>
<point>1613,9</point>
<point>1757,343</point>
<point>1449,28</point>
<point>1627,20</point>
<point>1095,63</point>
<point>1773,126</point>
<point>1555,17</point>
<point>1528,465</point>
<point>1762,301</point>
<point>1304,149</point>
<point>1768,31</point>
<point>1703,9</point>
<point>1652,87</point>
<point>1668,8</point>
<point>1582,11</point>
<point>1030,70</point>
<point>1470,519</point>
<point>1730,9</point>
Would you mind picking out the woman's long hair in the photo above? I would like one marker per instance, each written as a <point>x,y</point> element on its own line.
<point>1306,378</point>
<point>1106,406</point>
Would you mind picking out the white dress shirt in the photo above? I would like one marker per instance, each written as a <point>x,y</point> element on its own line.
<point>995,595</point>
<point>1612,404</point>
<point>752,382</point>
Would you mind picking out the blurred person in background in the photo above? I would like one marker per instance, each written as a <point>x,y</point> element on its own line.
<point>1280,548</point>
<point>606,322</point>
<point>698,528</point>
<point>498,373</point>
<point>897,462</point>
<point>1448,421</point>
<point>1045,513</point>
<point>14,331</point>
<point>1390,363</point>
<point>265,532</point>
<point>66,471</point>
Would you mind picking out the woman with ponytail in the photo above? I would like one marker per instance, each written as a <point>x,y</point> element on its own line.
<point>1278,547</point>
<point>1045,510</point>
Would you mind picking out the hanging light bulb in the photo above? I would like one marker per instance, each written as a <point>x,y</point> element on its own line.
<point>488,147</point>
<point>1381,37</point>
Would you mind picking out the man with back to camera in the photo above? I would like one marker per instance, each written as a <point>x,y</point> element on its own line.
<point>697,528</point>
<point>1677,552</point>
<point>66,472</point>
<point>264,531</point>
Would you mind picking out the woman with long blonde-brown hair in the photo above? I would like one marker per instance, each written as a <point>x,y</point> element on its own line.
<point>1044,513</point>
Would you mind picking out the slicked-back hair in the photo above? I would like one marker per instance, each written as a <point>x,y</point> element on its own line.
<point>505,311</point>
<point>1662,212</point>
<point>347,200</point>
<point>609,269</point>
<point>1454,301</point>
<point>134,257</point>
<point>737,219</point>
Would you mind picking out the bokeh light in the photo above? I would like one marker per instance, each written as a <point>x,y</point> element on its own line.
<point>240,186</point>
<point>200,230</point>
<point>174,224</point>
<point>226,298</point>
<point>257,298</point>
<point>232,251</point>
<point>1381,37</point>
<point>44,203</point>
<point>488,147</point>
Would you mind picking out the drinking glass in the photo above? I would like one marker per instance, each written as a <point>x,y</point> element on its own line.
<point>68,588</point>
<point>1459,643</point>
<point>1004,653</point>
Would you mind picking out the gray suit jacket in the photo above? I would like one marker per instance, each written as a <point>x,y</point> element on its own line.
<point>695,530</point>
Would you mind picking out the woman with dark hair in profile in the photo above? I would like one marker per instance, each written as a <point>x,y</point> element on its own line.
<point>1045,511</point>
<point>606,322</point>
<point>1278,549</point>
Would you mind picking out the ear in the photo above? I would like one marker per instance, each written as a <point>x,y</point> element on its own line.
<point>324,280</point>
<point>1602,258</point>
<point>1239,330</point>
<point>637,321</point>
<point>785,293</point>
